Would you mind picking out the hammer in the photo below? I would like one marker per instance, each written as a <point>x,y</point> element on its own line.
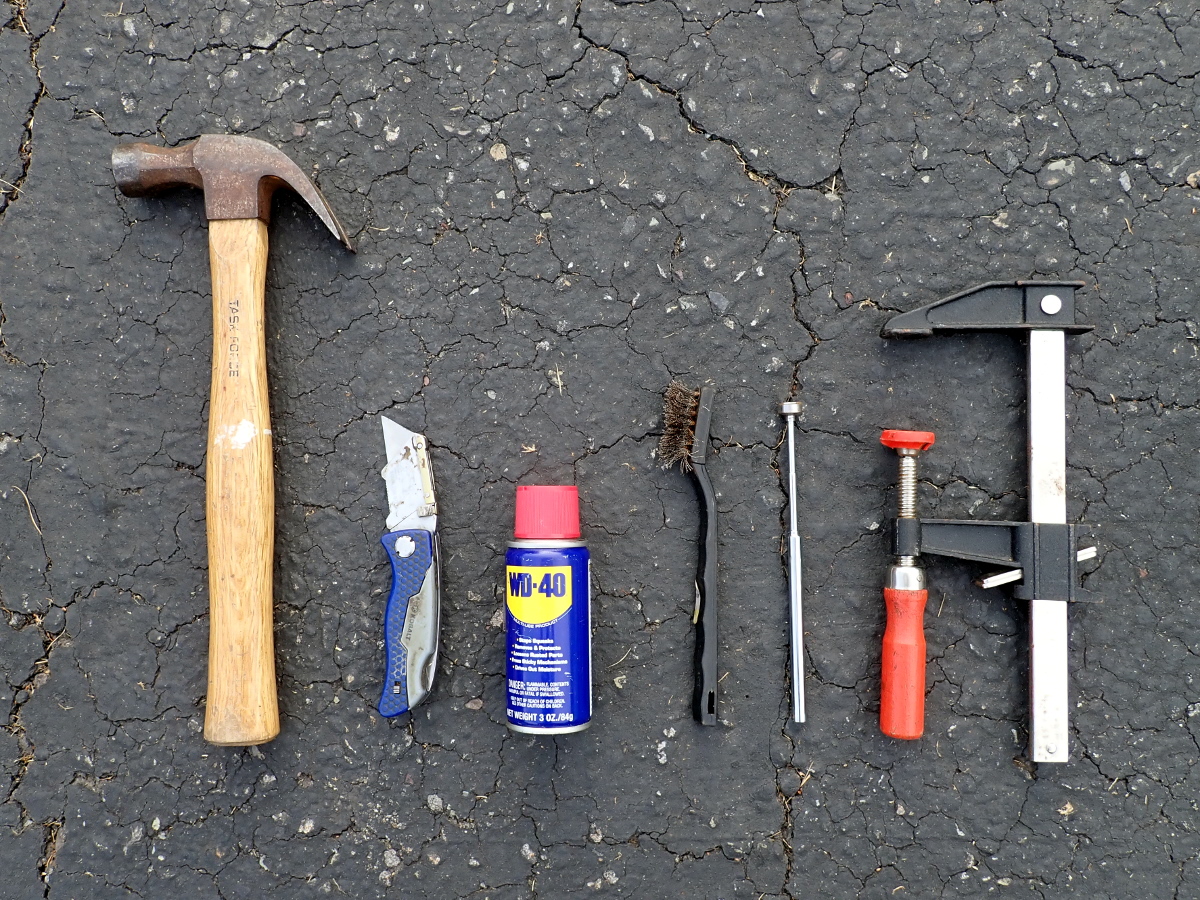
<point>238,176</point>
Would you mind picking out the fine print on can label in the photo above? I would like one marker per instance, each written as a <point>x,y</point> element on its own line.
<point>549,659</point>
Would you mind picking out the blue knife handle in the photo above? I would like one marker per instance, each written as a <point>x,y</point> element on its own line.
<point>408,574</point>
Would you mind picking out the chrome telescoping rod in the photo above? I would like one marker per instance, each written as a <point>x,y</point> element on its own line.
<point>789,411</point>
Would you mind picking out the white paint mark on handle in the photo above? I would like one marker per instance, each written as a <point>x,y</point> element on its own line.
<point>237,436</point>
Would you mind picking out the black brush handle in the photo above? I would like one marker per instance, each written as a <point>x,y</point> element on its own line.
<point>704,696</point>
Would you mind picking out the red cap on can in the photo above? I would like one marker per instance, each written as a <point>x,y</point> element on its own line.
<point>547,512</point>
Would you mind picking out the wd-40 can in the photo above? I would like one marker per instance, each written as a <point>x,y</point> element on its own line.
<point>548,615</point>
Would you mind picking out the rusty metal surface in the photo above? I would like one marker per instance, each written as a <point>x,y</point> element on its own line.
<point>238,175</point>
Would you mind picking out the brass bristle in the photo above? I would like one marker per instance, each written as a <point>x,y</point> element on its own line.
<point>680,404</point>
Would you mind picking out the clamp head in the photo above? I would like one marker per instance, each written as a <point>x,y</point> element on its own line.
<point>995,306</point>
<point>907,440</point>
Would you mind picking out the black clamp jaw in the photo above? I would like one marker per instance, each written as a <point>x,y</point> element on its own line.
<point>995,306</point>
<point>1039,554</point>
<point>1038,557</point>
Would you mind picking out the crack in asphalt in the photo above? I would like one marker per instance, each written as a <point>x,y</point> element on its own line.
<point>519,250</point>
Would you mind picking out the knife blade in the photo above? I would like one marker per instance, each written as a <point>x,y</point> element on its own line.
<point>413,614</point>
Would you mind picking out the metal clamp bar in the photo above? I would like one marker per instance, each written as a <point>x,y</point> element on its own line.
<point>1049,703</point>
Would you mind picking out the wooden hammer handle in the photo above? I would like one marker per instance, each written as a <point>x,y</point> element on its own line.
<point>243,706</point>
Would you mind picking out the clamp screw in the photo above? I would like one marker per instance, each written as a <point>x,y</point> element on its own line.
<point>907,444</point>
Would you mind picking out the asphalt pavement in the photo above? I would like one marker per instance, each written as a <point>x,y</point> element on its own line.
<point>557,208</point>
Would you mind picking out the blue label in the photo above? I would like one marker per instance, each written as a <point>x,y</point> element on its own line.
<point>548,616</point>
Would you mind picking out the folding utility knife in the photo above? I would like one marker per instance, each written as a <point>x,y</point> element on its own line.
<point>415,602</point>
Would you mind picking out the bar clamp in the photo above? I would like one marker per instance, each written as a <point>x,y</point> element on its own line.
<point>1038,556</point>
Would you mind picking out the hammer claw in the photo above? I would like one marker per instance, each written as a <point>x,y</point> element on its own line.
<point>238,175</point>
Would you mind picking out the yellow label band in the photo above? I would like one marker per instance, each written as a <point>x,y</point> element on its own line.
<point>537,595</point>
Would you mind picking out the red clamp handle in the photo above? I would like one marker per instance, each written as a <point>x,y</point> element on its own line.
<point>906,440</point>
<point>902,692</point>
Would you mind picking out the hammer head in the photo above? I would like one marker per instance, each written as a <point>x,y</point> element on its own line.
<point>237,174</point>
